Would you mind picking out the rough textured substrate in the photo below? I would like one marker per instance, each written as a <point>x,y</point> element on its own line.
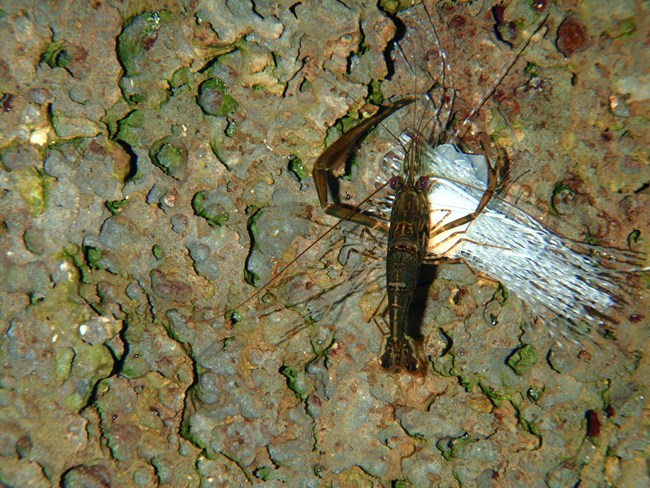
<point>137,146</point>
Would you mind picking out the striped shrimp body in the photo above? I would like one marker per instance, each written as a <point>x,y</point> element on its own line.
<point>410,229</point>
<point>408,234</point>
<point>408,239</point>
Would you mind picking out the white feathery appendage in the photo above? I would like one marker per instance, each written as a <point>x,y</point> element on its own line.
<point>555,276</point>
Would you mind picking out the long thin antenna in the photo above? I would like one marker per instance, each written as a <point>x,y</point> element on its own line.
<point>304,251</point>
<point>447,72</point>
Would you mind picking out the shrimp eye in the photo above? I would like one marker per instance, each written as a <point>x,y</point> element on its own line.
<point>423,182</point>
<point>394,183</point>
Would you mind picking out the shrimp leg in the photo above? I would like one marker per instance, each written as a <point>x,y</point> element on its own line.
<point>332,162</point>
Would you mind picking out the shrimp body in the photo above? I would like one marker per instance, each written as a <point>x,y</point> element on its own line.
<point>408,239</point>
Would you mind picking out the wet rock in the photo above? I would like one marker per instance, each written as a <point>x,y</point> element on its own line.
<point>99,330</point>
<point>275,229</point>
<point>170,155</point>
<point>32,187</point>
<point>235,22</point>
<point>258,192</point>
<point>93,476</point>
<point>199,252</point>
<point>72,127</point>
<point>57,165</point>
<point>107,291</point>
<point>180,326</point>
<point>170,290</point>
<point>214,99</point>
<point>179,223</point>
<point>219,356</point>
<point>157,193</point>
<point>26,278</point>
<point>123,439</point>
<point>134,292</point>
<point>294,72</point>
<point>208,269</point>
<point>145,477</point>
<point>563,199</point>
<point>571,36</point>
<point>222,471</point>
<point>40,95</point>
<point>117,232</point>
<point>24,472</point>
<point>20,157</point>
<point>238,439</point>
<point>35,241</point>
<point>24,446</point>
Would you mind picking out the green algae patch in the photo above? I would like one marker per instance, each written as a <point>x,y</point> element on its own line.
<point>522,359</point>
<point>206,208</point>
<point>127,128</point>
<point>56,55</point>
<point>137,38</point>
<point>94,257</point>
<point>213,98</point>
<point>297,168</point>
<point>393,7</point>
<point>169,155</point>
<point>343,125</point>
<point>32,185</point>
<point>157,251</point>
<point>262,473</point>
<point>116,206</point>
<point>495,396</point>
<point>375,96</point>
<point>119,111</point>
<point>294,382</point>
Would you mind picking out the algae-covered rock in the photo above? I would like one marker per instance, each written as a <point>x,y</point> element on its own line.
<point>214,99</point>
<point>84,476</point>
<point>137,37</point>
<point>156,172</point>
<point>522,359</point>
<point>209,204</point>
<point>170,155</point>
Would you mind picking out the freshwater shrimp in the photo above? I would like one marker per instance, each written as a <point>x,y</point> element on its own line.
<point>409,230</point>
<point>410,225</point>
<point>443,210</point>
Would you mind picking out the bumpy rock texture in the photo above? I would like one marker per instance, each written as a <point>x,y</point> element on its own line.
<point>155,165</point>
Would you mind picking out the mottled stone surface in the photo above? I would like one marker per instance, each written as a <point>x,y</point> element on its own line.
<point>152,172</point>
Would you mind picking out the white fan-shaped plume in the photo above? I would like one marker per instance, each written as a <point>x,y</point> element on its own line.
<point>555,276</point>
